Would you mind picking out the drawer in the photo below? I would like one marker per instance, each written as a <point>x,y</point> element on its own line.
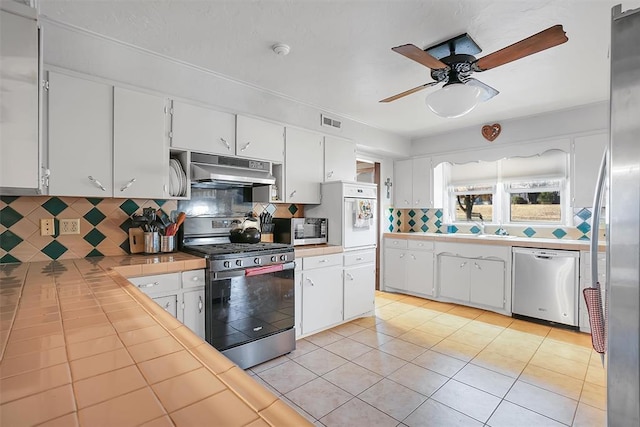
<point>169,303</point>
<point>159,283</point>
<point>359,258</point>
<point>395,243</point>
<point>426,245</point>
<point>321,261</point>
<point>192,279</point>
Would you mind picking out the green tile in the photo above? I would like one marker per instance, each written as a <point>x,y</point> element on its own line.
<point>160,202</point>
<point>125,246</point>
<point>126,225</point>
<point>129,206</point>
<point>293,209</point>
<point>54,206</point>
<point>94,237</point>
<point>8,216</point>
<point>8,199</point>
<point>93,253</point>
<point>94,200</point>
<point>94,216</point>
<point>9,240</point>
<point>8,259</point>
<point>559,233</point>
<point>54,249</point>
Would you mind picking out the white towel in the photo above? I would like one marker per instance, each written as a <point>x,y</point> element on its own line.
<point>363,214</point>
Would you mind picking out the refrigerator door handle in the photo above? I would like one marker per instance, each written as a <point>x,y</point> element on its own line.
<point>595,219</point>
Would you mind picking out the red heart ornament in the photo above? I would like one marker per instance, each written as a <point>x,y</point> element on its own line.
<point>491,132</point>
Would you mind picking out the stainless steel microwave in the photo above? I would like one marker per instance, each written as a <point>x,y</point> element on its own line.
<point>300,231</point>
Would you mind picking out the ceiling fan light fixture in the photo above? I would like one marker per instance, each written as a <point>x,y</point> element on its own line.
<point>453,100</point>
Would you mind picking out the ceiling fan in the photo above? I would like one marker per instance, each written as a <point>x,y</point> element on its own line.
<point>452,63</point>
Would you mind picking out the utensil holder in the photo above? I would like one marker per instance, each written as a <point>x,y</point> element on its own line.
<point>151,242</point>
<point>167,243</point>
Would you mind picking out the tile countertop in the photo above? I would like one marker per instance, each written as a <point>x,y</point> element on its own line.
<point>80,345</point>
<point>525,242</point>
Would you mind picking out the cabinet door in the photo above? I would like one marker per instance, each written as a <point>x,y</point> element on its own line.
<point>339,159</point>
<point>140,145</point>
<point>321,298</point>
<point>421,179</point>
<point>80,125</point>
<point>257,139</point>
<point>454,277</point>
<point>394,268</point>
<point>403,185</point>
<point>587,155</point>
<point>303,170</point>
<point>193,311</point>
<point>487,282</point>
<point>420,272</point>
<point>359,290</point>
<point>203,130</point>
<point>169,303</point>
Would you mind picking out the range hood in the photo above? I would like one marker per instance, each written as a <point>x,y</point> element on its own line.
<point>211,171</point>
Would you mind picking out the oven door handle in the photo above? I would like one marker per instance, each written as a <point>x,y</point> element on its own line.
<point>242,272</point>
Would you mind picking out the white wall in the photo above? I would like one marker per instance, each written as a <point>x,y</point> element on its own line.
<point>95,55</point>
<point>547,127</point>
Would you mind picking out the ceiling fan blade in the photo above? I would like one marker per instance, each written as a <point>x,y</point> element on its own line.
<point>408,92</point>
<point>550,37</point>
<point>420,56</point>
<point>486,91</point>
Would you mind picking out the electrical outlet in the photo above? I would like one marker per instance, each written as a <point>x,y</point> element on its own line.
<point>70,226</point>
<point>47,227</point>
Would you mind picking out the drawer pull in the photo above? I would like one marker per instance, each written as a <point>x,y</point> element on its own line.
<point>149,285</point>
<point>200,304</point>
<point>195,278</point>
<point>359,258</point>
<point>323,260</point>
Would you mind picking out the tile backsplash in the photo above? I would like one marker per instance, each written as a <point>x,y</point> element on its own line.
<point>430,221</point>
<point>104,225</point>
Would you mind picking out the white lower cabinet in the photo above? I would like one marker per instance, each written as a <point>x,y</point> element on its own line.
<point>321,298</point>
<point>454,277</point>
<point>419,272</point>
<point>408,266</point>
<point>181,294</point>
<point>359,290</point>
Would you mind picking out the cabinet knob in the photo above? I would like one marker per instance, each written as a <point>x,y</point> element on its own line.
<point>97,183</point>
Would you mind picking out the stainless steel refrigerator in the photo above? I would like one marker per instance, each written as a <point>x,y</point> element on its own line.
<point>623,230</point>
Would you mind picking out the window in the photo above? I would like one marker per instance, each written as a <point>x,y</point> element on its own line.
<point>473,202</point>
<point>536,201</point>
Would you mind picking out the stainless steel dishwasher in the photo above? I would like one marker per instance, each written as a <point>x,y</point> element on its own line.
<point>545,284</point>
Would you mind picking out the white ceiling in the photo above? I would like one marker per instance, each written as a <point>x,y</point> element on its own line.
<point>341,59</point>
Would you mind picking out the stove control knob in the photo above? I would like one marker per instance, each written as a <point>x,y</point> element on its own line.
<point>227,264</point>
<point>283,257</point>
<point>274,258</point>
<point>257,261</point>
<point>239,263</point>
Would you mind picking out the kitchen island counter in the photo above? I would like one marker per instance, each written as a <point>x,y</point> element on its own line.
<point>80,345</point>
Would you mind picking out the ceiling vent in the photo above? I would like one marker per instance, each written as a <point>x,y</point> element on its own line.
<point>329,122</point>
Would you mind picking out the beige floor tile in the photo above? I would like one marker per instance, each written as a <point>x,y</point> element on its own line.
<point>287,376</point>
<point>466,312</point>
<point>433,413</point>
<point>273,362</point>
<point>422,339</point>
<point>371,338</point>
<point>38,408</point>
<point>544,402</point>
<point>558,364</point>
<point>485,380</point>
<point>464,352</point>
<point>565,350</point>
<point>594,395</point>
<point>347,329</point>
<point>417,316</point>
<point>515,350</point>
<point>531,328</point>
<point>390,328</point>
<point>588,416</point>
<point>451,320</point>
<point>440,363</point>
<point>571,337</point>
<point>352,378</point>
<point>348,348</point>
<point>520,337</point>
<point>470,401</point>
<point>499,363</point>
<point>509,415</point>
<point>379,362</point>
<point>320,361</point>
<point>129,409</point>
<point>402,349</point>
<point>33,382</point>
<point>298,409</point>
<point>185,389</point>
<point>437,329</point>
<point>421,380</point>
<point>596,375</point>
<point>470,338</point>
<point>318,397</point>
<point>365,322</point>
<point>356,412</point>
<point>302,347</point>
<point>392,398</point>
<point>439,306</point>
<point>100,363</point>
<point>324,338</point>
<point>495,319</point>
<point>552,381</point>
<point>107,386</point>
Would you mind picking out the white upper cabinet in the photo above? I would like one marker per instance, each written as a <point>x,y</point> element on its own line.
<point>80,127</point>
<point>140,145</point>
<point>412,187</point>
<point>303,170</point>
<point>258,139</point>
<point>587,155</point>
<point>339,159</point>
<point>203,130</point>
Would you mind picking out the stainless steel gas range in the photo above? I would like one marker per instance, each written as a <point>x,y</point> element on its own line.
<point>249,293</point>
